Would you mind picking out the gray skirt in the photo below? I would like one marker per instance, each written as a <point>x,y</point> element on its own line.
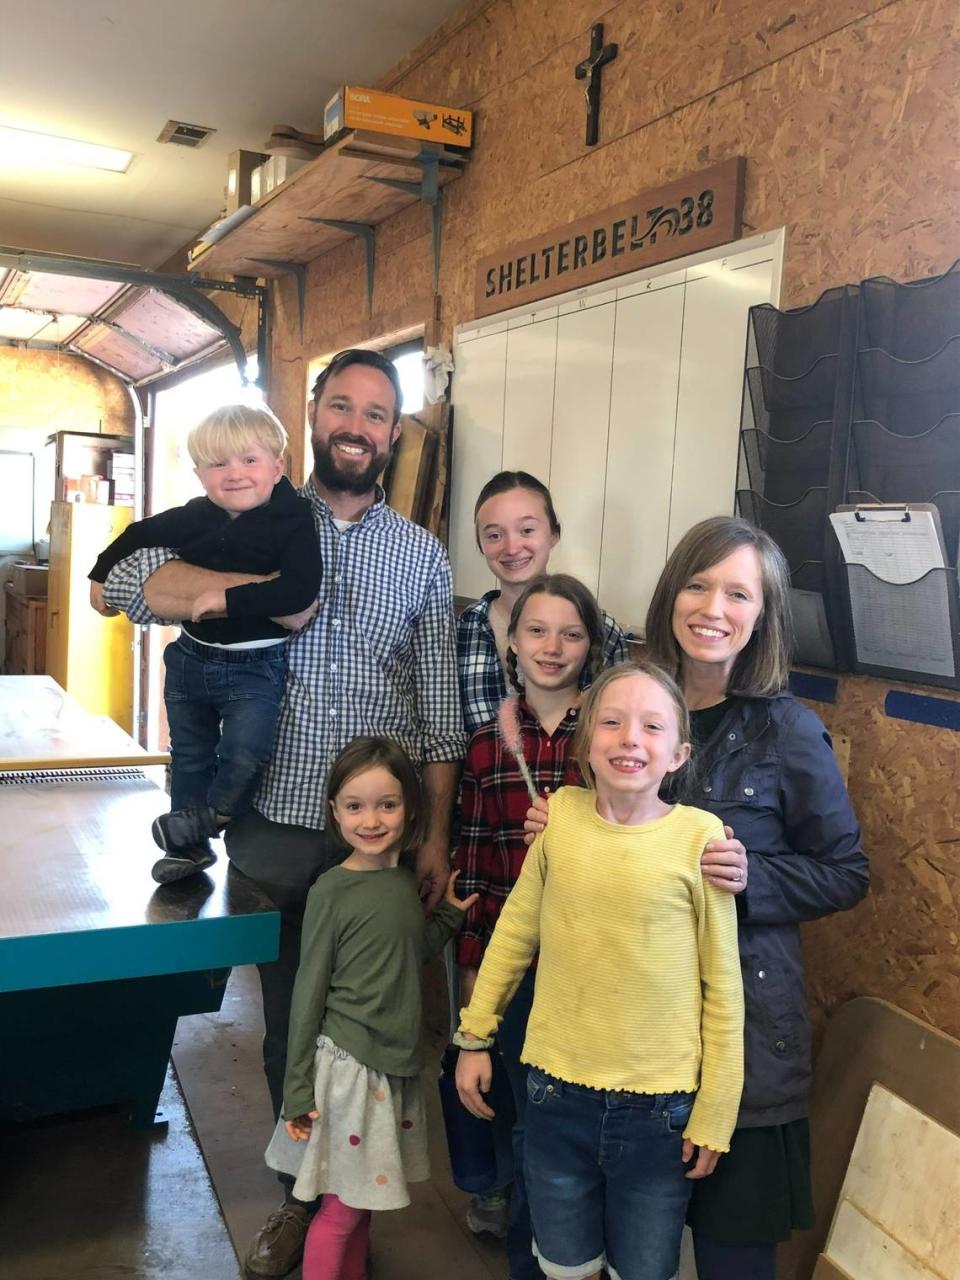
<point>370,1139</point>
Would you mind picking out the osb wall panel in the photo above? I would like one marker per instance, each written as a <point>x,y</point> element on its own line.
<point>849,143</point>
<point>670,55</point>
<point>901,943</point>
<point>337,314</point>
<point>844,111</point>
<point>51,391</point>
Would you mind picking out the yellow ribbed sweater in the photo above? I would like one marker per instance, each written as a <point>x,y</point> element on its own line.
<point>638,981</point>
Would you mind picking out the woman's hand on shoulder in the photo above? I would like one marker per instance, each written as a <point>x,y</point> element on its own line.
<point>449,895</point>
<point>537,817</point>
<point>299,1127</point>
<point>706,1159</point>
<point>474,1077</point>
<point>724,863</point>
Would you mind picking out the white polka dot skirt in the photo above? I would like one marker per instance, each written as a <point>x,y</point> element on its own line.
<point>369,1142</point>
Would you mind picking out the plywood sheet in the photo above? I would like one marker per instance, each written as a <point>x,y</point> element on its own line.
<point>866,1252</point>
<point>412,461</point>
<point>42,727</point>
<point>866,1041</point>
<point>904,1175</point>
<point>902,943</point>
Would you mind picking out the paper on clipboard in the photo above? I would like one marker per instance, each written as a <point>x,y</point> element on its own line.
<point>894,549</point>
<point>899,589</point>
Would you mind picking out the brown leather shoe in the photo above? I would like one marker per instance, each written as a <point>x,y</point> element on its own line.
<point>278,1246</point>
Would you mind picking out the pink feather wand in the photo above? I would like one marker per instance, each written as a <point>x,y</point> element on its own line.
<point>508,723</point>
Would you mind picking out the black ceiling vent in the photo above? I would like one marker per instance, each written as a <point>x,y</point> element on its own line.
<point>184,135</point>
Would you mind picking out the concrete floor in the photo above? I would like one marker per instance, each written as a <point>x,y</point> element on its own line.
<point>87,1197</point>
<point>218,1062</point>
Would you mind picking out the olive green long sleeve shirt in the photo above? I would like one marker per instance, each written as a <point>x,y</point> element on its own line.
<point>364,944</point>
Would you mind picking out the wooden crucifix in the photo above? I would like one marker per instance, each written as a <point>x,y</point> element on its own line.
<point>589,70</point>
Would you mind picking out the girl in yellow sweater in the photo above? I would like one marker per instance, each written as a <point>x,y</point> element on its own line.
<point>635,1040</point>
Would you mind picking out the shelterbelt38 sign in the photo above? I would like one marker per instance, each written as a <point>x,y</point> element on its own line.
<point>697,212</point>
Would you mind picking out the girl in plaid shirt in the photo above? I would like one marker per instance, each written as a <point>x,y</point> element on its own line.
<point>555,644</point>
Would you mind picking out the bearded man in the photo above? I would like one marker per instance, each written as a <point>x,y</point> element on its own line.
<point>376,656</point>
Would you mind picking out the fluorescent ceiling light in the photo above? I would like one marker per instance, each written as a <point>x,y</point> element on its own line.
<point>42,150</point>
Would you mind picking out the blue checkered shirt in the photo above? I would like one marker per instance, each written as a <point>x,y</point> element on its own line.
<point>379,656</point>
<point>482,683</point>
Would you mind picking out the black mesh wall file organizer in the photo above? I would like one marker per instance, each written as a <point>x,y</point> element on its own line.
<point>794,375</point>
<point>854,399</point>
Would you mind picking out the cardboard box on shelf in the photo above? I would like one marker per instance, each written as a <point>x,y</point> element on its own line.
<point>356,108</point>
<point>240,166</point>
<point>29,579</point>
<point>270,174</point>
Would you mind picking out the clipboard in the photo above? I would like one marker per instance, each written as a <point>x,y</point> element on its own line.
<point>902,592</point>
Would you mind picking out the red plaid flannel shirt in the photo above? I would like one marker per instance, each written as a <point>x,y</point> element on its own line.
<point>494,803</point>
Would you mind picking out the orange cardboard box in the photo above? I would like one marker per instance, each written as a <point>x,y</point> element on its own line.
<point>356,108</point>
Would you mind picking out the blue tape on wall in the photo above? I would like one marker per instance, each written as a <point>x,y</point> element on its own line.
<point>921,709</point>
<point>816,688</point>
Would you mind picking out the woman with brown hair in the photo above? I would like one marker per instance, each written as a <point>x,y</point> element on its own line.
<point>719,621</point>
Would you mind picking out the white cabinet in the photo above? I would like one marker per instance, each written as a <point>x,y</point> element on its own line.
<point>625,402</point>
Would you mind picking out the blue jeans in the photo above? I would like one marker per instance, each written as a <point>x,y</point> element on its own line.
<point>222,708</point>
<point>513,1030</point>
<point>605,1179</point>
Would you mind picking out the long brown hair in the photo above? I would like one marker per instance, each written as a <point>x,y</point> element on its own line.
<point>367,753</point>
<point>588,712</point>
<point>762,668</point>
<point>564,587</point>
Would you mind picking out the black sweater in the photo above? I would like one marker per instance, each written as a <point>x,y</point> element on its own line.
<point>278,537</point>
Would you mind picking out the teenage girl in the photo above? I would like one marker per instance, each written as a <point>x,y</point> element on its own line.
<point>635,1042</point>
<point>516,529</point>
<point>555,639</point>
<point>354,1128</point>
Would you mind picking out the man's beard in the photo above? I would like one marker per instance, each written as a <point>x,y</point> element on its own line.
<point>340,476</point>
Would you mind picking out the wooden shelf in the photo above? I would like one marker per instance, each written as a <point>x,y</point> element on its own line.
<point>334,185</point>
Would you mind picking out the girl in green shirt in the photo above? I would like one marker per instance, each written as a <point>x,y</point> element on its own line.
<point>353,1127</point>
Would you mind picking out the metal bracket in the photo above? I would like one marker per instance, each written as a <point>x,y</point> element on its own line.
<point>299,273</point>
<point>427,190</point>
<point>363,231</point>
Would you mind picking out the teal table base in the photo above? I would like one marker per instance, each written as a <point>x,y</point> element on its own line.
<point>97,1044</point>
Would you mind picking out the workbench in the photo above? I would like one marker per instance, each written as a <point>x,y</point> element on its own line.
<point>96,961</point>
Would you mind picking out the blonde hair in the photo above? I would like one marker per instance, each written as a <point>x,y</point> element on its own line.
<point>588,712</point>
<point>233,428</point>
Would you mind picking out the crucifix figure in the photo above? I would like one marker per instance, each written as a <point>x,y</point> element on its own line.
<point>589,70</point>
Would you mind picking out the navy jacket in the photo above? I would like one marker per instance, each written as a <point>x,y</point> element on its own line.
<point>768,771</point>
<point>278,537</point>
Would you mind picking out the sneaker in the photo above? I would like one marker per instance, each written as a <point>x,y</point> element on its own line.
<point>278,1246</point>
<point>489,1214</point>
<point>184,829</point>
<point>188,862</point>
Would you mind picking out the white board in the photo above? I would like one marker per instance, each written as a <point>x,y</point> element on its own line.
<point>627,404</point>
